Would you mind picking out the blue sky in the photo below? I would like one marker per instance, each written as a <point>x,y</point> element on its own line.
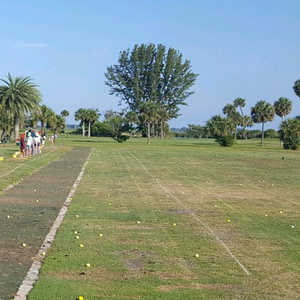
<point>239,48</point>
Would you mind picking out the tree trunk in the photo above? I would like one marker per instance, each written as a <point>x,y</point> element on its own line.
<point>235,133</point>
<point>17,127</point>
<point>42,127</point>
<point>262,132</point>
<point>148,132</point>
<point>161,129</point>
<point>153,130</point>
<point>83,128</point>
<point>89,130</point>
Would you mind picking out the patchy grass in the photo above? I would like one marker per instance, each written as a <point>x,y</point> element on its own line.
<point>153,206</point>
<point>12,170</point>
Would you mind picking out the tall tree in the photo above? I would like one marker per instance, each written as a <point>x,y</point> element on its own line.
<point>246,121</point>
<point>81,115</point>
<point>283,107</point>
<point>297,87</point>
<point>18,96</point>
<point>91,116</point>
<point>153,74</point>
<point>240,103</point>
<point>262,112</point>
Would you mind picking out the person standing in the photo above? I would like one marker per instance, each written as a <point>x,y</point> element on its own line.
<point>29,144</point>
<point>22,145</point>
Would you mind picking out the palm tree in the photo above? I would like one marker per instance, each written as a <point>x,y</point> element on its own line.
<point>44,116</point>
<point>230,111</point>
<point>56,123</point>
<point>18,96</point>
<point>64,113</point>
<point>246,122</point>
<point>283,107</point>
<point>297,87</point>
<point>92,115</point>
<point>262,112</point>
<point>240,103</point>
<point>80,115</point>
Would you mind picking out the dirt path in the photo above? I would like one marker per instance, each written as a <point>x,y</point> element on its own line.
<point>27,211</point>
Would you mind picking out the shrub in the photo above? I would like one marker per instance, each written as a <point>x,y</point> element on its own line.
<point>225,141</point>
<point>290,134</point>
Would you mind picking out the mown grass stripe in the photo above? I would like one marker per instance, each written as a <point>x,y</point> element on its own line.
<point>33,273</point>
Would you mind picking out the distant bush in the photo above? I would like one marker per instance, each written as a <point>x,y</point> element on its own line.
<point>225,141</point>
<point>271,133</point>
<point>253,134</point>
<point>290,134</point>
<point>100,129</point>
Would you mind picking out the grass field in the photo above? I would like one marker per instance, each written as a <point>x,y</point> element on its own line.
<point>179,219</point>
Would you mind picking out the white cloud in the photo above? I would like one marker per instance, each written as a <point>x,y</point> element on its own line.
<point>31,45</point>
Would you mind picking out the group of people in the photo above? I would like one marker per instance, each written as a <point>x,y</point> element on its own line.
<point>31,143</point>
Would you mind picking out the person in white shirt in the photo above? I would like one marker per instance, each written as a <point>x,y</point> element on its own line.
<point>29,143</point>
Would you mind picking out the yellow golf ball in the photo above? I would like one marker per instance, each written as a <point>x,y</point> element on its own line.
<point>81,245</point>
<point>197,255</point>
<point>88,265</point>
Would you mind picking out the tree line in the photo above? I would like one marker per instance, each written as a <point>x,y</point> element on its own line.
<point>152,83</point>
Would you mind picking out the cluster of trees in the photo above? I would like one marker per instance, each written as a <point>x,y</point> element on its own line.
<point>87,118</point>
<point>20,107</point>
<point>236,121</point>
<point>152,81</point>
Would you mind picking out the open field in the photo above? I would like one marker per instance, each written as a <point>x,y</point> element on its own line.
<point>157,206</point>
<point>234,207</point>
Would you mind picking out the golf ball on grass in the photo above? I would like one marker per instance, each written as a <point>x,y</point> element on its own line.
<point>81,245</point>
<point>197,255</point>
<point>100,234</point>
<point>77,237</point>
<point>88,265</point>
<point>24,245</point>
